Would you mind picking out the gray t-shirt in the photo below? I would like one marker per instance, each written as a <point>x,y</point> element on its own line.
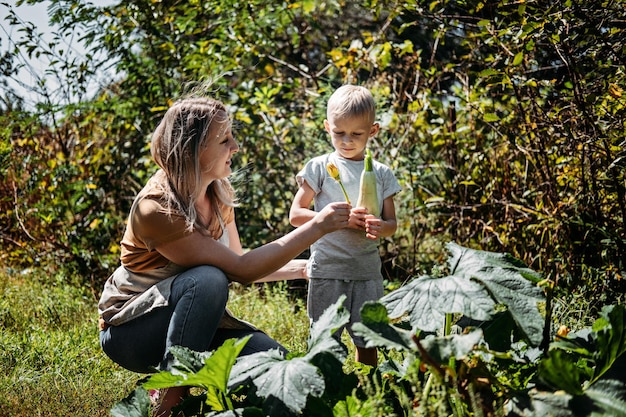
<point>344,254</point>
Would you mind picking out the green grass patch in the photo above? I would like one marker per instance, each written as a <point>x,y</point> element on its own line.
<point>51,363</point>
<point>273,309</point>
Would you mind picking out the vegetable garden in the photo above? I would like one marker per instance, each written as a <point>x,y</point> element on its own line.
<point>491,364</point>
<point>504,122</point>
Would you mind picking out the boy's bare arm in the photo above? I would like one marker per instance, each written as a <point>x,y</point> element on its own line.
<point>300,211</point>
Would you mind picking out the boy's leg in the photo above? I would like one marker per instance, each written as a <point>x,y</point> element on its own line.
<point>321,295</point>
<point>360,293</point>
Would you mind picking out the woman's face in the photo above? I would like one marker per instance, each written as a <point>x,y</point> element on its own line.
<point>215,158</point>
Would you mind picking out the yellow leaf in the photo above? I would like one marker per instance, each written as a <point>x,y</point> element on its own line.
<point>615,91</point>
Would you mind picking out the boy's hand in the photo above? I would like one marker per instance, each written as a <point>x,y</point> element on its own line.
<point>373,227</point>
<point>357,218</point>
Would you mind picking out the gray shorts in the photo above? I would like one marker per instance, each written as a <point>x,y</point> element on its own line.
<point>325,292</point>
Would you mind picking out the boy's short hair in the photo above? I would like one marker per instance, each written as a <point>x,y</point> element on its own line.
<point>349,101</point>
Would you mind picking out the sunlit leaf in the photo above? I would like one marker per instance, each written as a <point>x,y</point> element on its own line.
<point>377,331</point>
<point>426,301</point>
<point>292,381</point>
<point>442,349</point>
<point>478,281</point>
<point>137,404</point>
<point>508,281</point>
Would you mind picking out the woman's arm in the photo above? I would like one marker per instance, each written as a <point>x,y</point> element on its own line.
<point>197,249</point>
<point>294,269</point>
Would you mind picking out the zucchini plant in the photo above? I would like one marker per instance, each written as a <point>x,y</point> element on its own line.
<point>467,342</point>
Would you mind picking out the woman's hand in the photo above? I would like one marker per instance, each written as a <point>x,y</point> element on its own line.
<point>333,217</point>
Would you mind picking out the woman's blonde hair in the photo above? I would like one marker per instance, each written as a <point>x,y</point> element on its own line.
<point>176,145</point>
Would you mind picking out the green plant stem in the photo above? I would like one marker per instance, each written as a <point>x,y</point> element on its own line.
<point>427,387</point>
<point>345,194</point>
<point>447,327</point>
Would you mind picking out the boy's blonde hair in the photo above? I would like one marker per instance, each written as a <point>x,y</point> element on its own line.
<point>349,101</point>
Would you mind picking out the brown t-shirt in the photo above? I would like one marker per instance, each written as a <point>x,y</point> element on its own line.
<point>143,281</point>
<point>149,225</point>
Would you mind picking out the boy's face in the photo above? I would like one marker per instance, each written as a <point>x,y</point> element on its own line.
<point>349,135</point>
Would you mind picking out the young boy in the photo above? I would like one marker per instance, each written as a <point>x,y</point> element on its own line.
<point>346,261</point>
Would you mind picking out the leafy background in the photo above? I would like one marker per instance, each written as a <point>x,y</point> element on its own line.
<point>504,122</point>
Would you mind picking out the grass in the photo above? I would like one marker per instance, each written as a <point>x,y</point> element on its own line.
<point>50,360</point>
<point>275,309</point>
<point>51,363</point>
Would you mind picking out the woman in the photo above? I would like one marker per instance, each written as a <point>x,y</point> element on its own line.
<point>181,249</point>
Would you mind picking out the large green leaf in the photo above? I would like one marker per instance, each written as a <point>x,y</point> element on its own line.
<point>608,396</point>
<point>292,381</point>
<point>137,404</point>
<point>540,404</point>
<point>321,333</point>
<point>610,329</point>
<point>605,399</point>
<point>427,300</point>
<point>377,330</point>
<point>213,375</point>
<point>562,370</point>
<point>509,282</point>
<point>478,281</point>
<point>442,349</point>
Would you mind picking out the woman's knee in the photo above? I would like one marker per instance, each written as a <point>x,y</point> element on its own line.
<point>213,278</point>
<point>128,355</point>
<point>207,281</point>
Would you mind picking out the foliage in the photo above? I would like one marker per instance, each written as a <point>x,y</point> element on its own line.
<point>504,122</point>
<point>465,373</point>
<point>535,86</point>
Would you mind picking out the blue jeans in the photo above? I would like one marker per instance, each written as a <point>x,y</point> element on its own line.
<point>191,319</point>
